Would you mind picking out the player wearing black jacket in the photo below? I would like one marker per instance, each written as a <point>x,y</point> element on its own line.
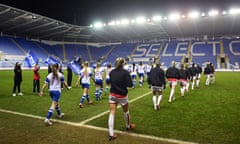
<point>207,73</point>
<point>183,79</point>
<point>193,71</point>
<point>119,79</point>
<point>172,75</point>
<point>157,81</point>
<point>198,77</point>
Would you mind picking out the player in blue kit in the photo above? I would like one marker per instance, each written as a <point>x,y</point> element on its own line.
<point>54,80</point>
<point>85,76</point>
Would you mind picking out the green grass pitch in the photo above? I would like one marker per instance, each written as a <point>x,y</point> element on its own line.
<point>209,114</point>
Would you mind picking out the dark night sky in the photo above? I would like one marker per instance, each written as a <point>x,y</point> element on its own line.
<point>85,12</point>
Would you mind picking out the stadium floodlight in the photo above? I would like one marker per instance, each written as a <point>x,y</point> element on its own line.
<point>156,18</point>
<point>124,21</point>
<point>203,14</point>
<point>140,20</point>
<point>193,14</point>
<point>112,23</point>
<point>213,13</point>
<point>224,12</point>
<point>183,16</point>
<point>98,25</point>
<point>234,11</point>
<point>133,21</point>
<point>118,22</point>
<point>174,16</point>
<point>165,18</point>
<point>91,25</point>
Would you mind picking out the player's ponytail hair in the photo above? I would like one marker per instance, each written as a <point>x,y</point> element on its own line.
<point>85,72</point>
<point>55,70</point>
<point>119,62</point>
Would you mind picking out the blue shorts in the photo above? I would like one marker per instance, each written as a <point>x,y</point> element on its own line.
<point>85,85</point>
<point>108,81</point>
<point>141,74</point>
<point>55,95</point>
<point>98,82</point>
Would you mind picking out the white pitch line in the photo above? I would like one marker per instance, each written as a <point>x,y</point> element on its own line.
<point>98,128</point>
<point>106,112</point>
<point>139,135</point>
<point>83,123</point>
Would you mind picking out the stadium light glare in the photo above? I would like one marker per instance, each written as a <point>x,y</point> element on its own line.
<point>118,22</point>
<point>193,14</point>
<point>124,21</point>
<point>203,14</point>
<point>133,21</point>
<point>183,16</point>
<point>112,23</point>
<point>165,18</point>
<point>156,18</point>
<point>91,25</point>
<point>234,11</point>
<point>140,20</point>
<point>224,12</point>
<point>174,16</point>
<point>98,25</point>
<point>213,13</point>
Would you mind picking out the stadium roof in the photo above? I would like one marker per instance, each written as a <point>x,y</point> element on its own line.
<point>18,22</point>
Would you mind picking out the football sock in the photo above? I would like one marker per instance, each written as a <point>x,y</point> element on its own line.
<point>197,84</point>
<point>58,110</point>
<point>134,83</point>
<point>159,99</point>
<point>111,124</point>
<point>182,90</point>
<point>88,98</point>
<point>97,94</point>
<point>171,94</point>
<point>127,119</point>
<point>154,101</point>
<point>187,86</point>
<point>193,83</point>
<point>50,112</point>
<point>100,92</point>
<point>83,98</point>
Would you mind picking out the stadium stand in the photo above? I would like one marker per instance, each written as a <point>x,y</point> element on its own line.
<point>73,50</point>
<point>31,46</point>
<point>122,50</point>
<point>199,51</point>
<point>8,47</point>
<point>99,53</point>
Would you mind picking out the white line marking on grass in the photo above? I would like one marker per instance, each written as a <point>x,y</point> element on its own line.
<point>140,135</point>
<point>106,112</point>
<point>98,128</point>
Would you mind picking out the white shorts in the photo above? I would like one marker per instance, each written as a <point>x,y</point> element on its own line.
<point>115,100</point>
<point>156,88</point>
